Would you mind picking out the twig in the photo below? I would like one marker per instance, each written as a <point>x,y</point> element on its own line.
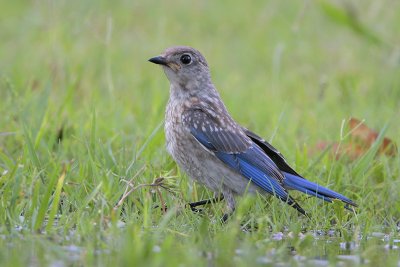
<point>158,182</point>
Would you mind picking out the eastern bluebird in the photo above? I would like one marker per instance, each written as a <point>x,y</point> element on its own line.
<point>216,151</point>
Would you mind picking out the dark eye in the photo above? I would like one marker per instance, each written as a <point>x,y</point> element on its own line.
<point>186,59</point>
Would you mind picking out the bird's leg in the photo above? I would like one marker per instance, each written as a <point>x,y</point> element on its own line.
<point>230,204</point>
<point>226,216</point>
<point>193,205</point>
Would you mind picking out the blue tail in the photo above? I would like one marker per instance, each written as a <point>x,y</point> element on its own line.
<point>313,189</point>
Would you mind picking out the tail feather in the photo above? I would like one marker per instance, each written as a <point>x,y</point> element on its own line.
<point>313,189</point>
<point>296,206</point>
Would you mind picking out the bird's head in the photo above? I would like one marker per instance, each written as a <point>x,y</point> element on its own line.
<point>185,67</point>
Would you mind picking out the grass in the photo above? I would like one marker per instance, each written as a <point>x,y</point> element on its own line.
<point>81,119</point>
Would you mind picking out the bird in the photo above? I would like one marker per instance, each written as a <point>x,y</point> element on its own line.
<point>214,150</point>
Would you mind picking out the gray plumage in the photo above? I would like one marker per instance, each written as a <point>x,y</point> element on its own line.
<point>212,148</point>
<point>190,93</point>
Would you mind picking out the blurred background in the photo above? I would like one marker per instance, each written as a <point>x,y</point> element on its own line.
<point>303,66</point>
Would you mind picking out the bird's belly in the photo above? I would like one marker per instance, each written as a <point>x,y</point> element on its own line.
<point>194,160</point>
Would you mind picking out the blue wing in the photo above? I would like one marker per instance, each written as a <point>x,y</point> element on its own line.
<point>292,179</point>
<point>272,152</point>
<point>233,147</point>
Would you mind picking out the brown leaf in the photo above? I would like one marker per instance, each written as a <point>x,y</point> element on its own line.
<point>351,151</point>
<point>362,138</point>
<point>367,136</point>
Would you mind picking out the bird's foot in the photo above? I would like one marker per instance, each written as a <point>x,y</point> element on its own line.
<point>192,208</point>
<point>193,205</point>
<point>225,217</point>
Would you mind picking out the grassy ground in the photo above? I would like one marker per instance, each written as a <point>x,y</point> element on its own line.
<point>76,71</point>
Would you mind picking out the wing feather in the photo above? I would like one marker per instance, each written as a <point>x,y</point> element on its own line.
<point>219,135</point>
<point>232,146</point>
<point>272,152</point>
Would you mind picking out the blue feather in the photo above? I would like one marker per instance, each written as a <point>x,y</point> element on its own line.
<point>202,138</point>
<point>254,164</point>
<point>313,189</point>
<point>238,163</point>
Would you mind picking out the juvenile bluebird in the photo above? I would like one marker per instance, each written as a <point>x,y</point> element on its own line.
<point>213,149</point>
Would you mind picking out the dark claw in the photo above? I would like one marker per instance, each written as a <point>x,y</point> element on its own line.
<point>192,208</point>
<point>205,201</point>
<point>225,218</point>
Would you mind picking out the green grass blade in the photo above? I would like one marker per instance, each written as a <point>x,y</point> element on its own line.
<point>56,200</point>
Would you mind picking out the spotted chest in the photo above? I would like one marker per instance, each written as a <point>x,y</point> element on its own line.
<point>184,149</point>
<point>179,141</point>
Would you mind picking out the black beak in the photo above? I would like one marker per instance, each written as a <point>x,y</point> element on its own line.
<point>158,60</point>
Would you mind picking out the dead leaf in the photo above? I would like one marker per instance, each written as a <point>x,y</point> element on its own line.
<point>362,138</point>
<point>337,151</point>
<point>360,131</point>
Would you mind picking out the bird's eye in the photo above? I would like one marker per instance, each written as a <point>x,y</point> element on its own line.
<point>186,59</point>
